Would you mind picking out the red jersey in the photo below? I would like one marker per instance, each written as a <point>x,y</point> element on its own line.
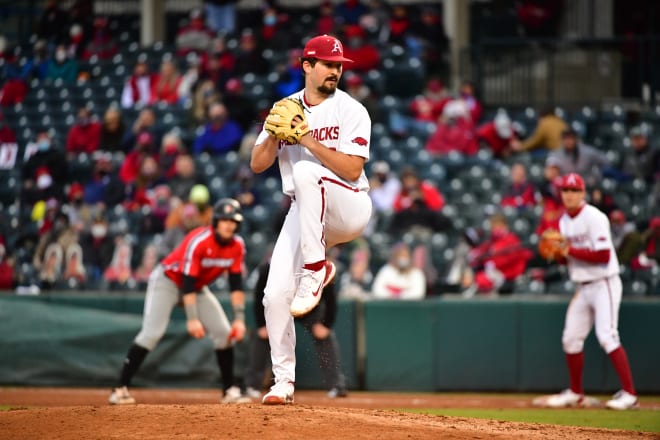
<point>200,256</point>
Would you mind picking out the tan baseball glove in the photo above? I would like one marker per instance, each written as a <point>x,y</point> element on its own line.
<point>286,121</point>
<point>552,244</point>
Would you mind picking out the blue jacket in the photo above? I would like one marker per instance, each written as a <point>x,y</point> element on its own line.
<point>226,138</point>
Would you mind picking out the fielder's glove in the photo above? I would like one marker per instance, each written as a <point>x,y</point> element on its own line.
<point>552,244</point>
<point>280,120</point>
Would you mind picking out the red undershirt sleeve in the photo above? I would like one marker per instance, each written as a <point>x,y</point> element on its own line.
<point>599,256</point>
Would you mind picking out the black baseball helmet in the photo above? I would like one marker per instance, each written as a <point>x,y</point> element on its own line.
<point>227,209</point>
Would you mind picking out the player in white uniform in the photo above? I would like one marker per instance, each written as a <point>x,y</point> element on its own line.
<point>324,176</point>
<point>593,266</point>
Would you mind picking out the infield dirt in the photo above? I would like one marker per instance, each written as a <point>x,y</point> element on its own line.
<point>63,413</point>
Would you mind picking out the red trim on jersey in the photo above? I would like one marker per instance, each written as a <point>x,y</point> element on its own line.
<point>598,256</point>
<point>322,214</point>
<point>609,294</point>
<point>342,184</point>
<point>307,103</point>
<point>576,211</point>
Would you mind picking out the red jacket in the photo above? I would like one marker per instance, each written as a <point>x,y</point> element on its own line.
<point>432,198</point>
<point>488,134</point>
<point>165,92</point>
<point>364,58</point>
<point>83,139</point>
<point>507,253</point>
<point>458,136</point>
<point>425,109</point>
<point>519,195</point>
<point>131,166</point>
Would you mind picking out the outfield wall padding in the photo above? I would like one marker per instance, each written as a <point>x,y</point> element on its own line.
<point>439,344</point>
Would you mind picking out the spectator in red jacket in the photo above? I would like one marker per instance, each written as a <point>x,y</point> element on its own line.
<point>424,110</point>
<point>137,89</point>
<point>454,131</point>
<point>520,192</point>
<point>365,55</point>
<point>417,207</point>
<point>144,147</point>
<point>6,268</point>
<point>326,21</point>
<point>165,88</point>
<point>497,261</point>
<point>399,25</point>
<point>411,184</point>
<point>102,43</point>
<point>498,135</point>
<point>84,136</point>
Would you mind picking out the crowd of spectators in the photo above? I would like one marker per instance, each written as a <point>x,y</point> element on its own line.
<point>102,202</point>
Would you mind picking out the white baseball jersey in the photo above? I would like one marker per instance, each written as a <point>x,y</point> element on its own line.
<point>352,137</point>
<point>589,229</point>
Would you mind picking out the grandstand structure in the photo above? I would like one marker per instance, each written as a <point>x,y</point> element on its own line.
<point>470,184</point>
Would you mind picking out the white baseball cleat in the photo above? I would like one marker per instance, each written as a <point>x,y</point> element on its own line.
<point>280,394</point>
<point>121,396</point>
<point>310,289</point>
<point>565,399</point>
<point>253,393</point>
<point>623,400</point>
<point>234,395</point>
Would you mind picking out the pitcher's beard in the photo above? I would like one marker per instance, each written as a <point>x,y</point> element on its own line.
<point>327,90</point>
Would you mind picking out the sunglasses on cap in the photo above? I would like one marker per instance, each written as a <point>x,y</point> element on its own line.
<point>571,190</point>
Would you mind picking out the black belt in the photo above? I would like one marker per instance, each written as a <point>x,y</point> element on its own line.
<point>584,283</point>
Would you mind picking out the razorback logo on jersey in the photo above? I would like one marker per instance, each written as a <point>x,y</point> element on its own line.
<point>360,141</point>
<point>602,239</point>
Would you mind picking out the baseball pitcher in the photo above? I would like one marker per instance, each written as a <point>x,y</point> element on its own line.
<point>320,136</point>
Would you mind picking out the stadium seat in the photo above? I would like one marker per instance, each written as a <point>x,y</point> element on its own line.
<point>636,288</point>
<point>403,79</point>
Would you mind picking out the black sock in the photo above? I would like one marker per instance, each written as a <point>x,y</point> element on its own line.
<point>226,363</point>
<point>132,362</point>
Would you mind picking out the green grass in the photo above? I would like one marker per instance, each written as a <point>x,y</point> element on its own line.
<point>637,420</point>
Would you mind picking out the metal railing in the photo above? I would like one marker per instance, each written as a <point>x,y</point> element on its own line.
<point>562,72</point>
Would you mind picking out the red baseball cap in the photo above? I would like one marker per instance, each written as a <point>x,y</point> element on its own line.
<point>573,181</point>
<point>325,47</point>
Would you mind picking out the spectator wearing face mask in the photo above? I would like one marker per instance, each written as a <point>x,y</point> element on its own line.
<point>399,278</point>
<point>385,186</point>
<point>84,136</point>
<point>45,172</point>
<point>220,135</point>
<point>498,135</point>
<point>62,67</point>
<point>80,213</point>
